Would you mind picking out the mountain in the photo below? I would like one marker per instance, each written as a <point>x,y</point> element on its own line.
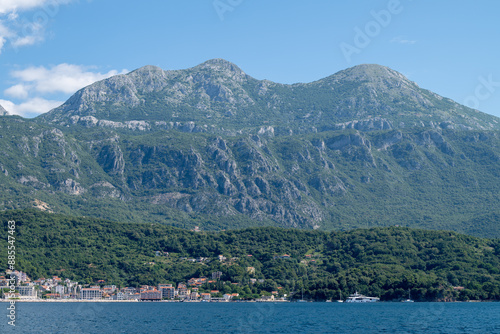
<point>213,147</point>
<point>217,95</point>
<point>3,112</point>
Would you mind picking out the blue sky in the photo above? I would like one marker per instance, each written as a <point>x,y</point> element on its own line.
<point>52,48</point>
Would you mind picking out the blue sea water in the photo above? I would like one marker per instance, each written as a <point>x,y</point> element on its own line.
<point>398,318</point>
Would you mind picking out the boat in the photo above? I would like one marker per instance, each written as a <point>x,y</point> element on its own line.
<point>409,300</point>
<point>340,300</point>
<point>302,299</point>
<point>359,298</point>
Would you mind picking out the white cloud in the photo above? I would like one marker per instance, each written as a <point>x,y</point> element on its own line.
<point>2,42</point>
<point>401,40</point>
<point>29,28</point>
<point>37,34</point>
<point>31,107</point>
<point>5,35</point>
<point>19,91</point>
<point>62,78</point>
<point>8,6</point>
<point>35,85</point>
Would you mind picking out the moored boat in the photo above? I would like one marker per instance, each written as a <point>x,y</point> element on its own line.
<point>359,298</point>
<point>409,300</point>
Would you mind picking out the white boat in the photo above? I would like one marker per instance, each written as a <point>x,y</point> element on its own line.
<point>409,300</point>
<point>340,300</point>
<point>302,299</point>
<point>358,298</point>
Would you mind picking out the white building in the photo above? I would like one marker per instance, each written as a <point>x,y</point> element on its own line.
<point>119,296</point>
<point>90,294</point>
<point>27,292</point>
<point>60,289</point>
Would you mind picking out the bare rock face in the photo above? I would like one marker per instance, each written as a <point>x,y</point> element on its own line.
<point>3,112</point>
<point>111,160</point>
<point>70,187</point>
<point>362,147</point>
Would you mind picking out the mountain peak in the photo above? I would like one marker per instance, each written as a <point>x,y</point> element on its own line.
<point>220,64</point>
<point>148,68</point>
<point>372,72</point>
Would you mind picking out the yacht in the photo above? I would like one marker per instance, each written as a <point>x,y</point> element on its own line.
<point>358,298</point>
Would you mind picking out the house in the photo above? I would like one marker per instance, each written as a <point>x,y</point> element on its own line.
<point>193,295</point>
<point>60,289</point>
<point>266,299</point>
<point>109,289</point>
<point>182,291</point>
<point>205,296</point>
<point>129,290</point>
<point>197,281</point>
<point>119,296</point>
<point>284,256</point>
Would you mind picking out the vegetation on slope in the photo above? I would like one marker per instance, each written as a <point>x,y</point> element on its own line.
<point>384,262</point>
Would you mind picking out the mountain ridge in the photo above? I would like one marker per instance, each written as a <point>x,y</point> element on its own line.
<point>217,94</point>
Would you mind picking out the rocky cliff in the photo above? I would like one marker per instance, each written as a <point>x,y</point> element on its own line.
<point>213,147</point>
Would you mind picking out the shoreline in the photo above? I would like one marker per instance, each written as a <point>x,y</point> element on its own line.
<point>215,302</point>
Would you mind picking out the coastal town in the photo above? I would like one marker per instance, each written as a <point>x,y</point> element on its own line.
<point>58,289</point>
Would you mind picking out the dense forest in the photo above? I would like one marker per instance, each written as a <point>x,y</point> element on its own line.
<point>384,262</point>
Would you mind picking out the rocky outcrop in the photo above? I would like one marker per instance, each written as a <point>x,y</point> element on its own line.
<point>3,112</point>
<point>110,158</point>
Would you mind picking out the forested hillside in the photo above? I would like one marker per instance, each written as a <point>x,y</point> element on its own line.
<point>385,262</point>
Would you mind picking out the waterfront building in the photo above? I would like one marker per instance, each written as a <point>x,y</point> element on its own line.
<point>90,293</point>
<point>27,292</point>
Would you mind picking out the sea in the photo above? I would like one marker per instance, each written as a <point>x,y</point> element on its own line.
<point>160,317</point>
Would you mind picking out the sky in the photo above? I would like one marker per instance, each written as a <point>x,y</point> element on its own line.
<point>51,48</point>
